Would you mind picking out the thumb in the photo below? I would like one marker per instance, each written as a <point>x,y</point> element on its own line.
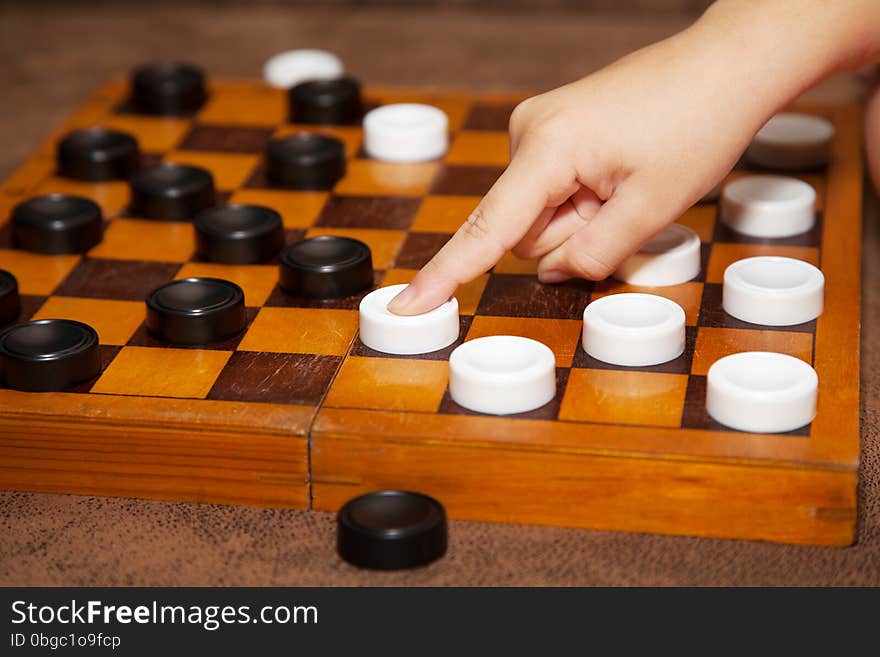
<point>619,228</point>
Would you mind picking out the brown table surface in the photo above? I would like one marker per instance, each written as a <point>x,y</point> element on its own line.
<point>68,540</point>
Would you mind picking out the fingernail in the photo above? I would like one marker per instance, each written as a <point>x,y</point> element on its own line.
<point>552,276</point>
<point>398,304</point>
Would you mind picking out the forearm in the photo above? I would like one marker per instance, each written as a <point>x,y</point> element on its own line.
<point>788,46</point>
<point>744,60</point>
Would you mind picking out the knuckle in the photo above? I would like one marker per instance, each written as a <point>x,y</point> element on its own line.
<point>551,129</point>
<point>590,267</point>
<point>476,226</point>
<point>519,116</point>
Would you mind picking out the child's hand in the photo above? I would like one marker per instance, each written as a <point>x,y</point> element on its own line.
<point>599,166</point>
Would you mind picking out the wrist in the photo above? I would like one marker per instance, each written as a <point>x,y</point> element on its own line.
<point>777,49</point>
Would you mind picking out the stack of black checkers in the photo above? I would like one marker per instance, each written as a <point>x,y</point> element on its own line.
<point>326,102</point>
<point>168,89</point>
<point>48,355</point>
<point>171,192</point>
<point>238,234</point>
<point>391,530</point>
<point>326,267</point>
<point>308,160</point>
<point>97,154</point>
<point>196,311</point>
<point>57,223</point>
<point>305,161</point>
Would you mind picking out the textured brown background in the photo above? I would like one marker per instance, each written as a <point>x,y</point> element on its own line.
<point>53,55</point>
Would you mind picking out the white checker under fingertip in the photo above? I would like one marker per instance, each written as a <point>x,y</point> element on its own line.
<point>669,258</point>
<point>773,291</point>
<point>502,375</point>
<point>634,329</point>
<point>762,392</point>
<point>382,330</point>
<point>406,132</point>
<point>288,69</point>
<point>792,142</point>
<point>768,206</point>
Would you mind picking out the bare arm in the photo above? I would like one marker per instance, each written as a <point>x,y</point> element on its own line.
<point>600,165</point>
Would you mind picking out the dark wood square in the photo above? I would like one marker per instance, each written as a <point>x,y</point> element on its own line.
<point>712,314</point>
<point>489,117</point>
<point>419,248</point>
<point>30,304</point>
<point>695,415</point>
<point>6,234</point>
<point>466,181</point>
<point>228,139</point>
<point>548,411</point>
<point>143,338</point>
<point>519,295</point>
<point>128,280</point>
<point>681,365</point>
<point>108,353</point>
<point>275,378</point>
<point>705,254</point>
<point>387,212</point>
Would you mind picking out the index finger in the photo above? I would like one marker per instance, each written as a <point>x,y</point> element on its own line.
<point>517,199</point>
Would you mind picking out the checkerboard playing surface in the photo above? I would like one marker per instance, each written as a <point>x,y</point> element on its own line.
<point>296,411</point>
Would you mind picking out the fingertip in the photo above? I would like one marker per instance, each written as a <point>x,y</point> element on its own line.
<point>400,303</point>
<point>418,298</point>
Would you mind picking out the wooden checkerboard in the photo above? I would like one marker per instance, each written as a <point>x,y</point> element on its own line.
<point>297,412</point>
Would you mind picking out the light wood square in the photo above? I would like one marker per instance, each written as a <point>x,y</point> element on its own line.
<point>389,383</point>
<point>162,372</point>
<point>115,321</point>
<point>714,343</point>
<point>624,397</point>
<point>142,239</point>
<point>443,214</point>
<point>257,281</point>
<point>297,209</point>
<point>561,335</point>
<point>321,331</point>
<point>37,274</point>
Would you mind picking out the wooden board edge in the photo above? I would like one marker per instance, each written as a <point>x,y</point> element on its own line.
<point>812,507</point>
<point>24,408</point>
<point>169,463</point>
<point>609,440</point>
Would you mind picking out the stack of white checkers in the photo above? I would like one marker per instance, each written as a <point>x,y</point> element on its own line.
<point>288,69</point>
<point>406,132</point>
